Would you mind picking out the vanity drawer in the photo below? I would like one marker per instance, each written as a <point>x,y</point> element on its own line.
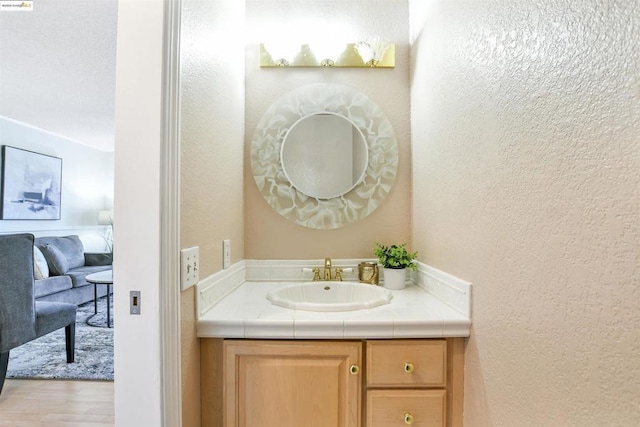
<point>406,363</point>
<point>418,408</point>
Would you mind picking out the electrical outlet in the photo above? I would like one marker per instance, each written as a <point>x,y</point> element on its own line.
<point>226,253</point>
<point>189,267</point>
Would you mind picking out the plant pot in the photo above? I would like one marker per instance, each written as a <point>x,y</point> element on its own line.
<point>394,278</point>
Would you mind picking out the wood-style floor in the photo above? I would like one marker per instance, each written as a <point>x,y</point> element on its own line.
<point>51,403</point>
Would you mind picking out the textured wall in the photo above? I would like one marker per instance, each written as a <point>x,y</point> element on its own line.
<point>59,68</point>
<point>526,151</point>
<point>270,236</point>
<point>212,127</point>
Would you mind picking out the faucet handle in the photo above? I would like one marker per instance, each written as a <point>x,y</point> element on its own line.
<point>316,274</point>
<point>338,276</point>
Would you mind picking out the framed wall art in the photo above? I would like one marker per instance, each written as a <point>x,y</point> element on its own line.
<point>31,185</point>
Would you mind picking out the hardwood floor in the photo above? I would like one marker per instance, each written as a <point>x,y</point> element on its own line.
<point>51,403</point>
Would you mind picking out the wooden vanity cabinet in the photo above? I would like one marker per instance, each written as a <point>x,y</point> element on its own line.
<point>266,383</point>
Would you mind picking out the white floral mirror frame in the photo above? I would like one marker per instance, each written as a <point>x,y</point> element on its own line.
<point>296,206</point>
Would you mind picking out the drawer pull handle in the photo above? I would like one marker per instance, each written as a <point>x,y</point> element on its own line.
<point>354,370</point>
<point>408,418</point>
<point>408,367</point>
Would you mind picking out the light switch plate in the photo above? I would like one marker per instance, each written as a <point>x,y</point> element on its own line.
<point>189,267</point>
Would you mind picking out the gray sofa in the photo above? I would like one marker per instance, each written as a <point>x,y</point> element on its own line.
<point>62,279</point>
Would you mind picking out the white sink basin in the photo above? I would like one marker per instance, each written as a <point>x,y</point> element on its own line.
<point>329,296</point>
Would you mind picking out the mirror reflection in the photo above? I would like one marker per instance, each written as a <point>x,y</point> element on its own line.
<point>324,155</point>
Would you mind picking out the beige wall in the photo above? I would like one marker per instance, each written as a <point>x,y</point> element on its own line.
<point>212,177</point>
<point>212,129</point>
<point>526,130</point>
<point>270,236</point>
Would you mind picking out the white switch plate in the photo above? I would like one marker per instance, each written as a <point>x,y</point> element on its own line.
<point>226,253</point>
<point>189,267</point>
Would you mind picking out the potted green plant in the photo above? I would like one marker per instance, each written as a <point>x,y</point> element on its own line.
<point>395,260</point>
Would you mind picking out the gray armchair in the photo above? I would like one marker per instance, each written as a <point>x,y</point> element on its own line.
<point>23,319</point>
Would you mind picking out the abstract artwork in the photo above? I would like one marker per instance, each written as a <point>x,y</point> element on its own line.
<point>31,185</point>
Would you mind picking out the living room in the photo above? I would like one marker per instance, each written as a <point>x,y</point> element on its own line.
<point>57,97</point>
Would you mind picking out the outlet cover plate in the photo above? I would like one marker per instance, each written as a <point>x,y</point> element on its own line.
<point>189,267</point>
<point>226,253</point>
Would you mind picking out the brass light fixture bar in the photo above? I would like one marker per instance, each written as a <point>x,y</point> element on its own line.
<point>349,58</point>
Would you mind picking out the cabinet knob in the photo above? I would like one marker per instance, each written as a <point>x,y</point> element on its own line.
<point>354,369</point>
<point>408,418</point>
<point>408,367</point>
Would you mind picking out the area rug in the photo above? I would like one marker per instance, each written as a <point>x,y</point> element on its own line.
<point>45,357</point>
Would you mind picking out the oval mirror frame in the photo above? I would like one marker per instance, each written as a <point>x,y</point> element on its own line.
<point>298,207</point>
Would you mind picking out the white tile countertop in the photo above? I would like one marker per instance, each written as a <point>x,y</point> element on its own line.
<point>414,312</point>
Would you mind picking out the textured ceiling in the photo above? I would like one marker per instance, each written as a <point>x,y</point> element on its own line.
<point>57,68</point>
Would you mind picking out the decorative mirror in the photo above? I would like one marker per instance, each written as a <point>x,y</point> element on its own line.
<point>324,156</point>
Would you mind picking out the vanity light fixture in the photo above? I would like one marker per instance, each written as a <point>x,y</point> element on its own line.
<point>374,52</point>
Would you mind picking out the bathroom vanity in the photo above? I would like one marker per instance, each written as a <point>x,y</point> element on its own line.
<point>332,383</point>
<point>400,363</point>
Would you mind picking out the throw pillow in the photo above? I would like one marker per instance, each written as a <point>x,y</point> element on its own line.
<point>58,264</point>
<point>72,248</point>
<point>40,267</point>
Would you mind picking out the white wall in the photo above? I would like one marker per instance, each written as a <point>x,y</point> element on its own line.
<point>138,395</point>
<point>526,177</point>
<point>87,183</point>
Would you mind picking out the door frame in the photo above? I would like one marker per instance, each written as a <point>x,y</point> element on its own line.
<point>170,219</point>
<point>147,346</point>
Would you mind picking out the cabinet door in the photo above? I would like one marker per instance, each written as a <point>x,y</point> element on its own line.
<point>291,383</point>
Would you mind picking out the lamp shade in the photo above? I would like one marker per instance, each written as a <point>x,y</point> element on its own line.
<point>372,50</point>
<point>105,217</point>
<point>327,51</point>
<point>282,51</point>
